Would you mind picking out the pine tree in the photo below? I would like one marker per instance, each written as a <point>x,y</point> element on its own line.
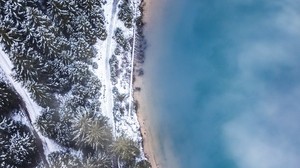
<point>26,65</point>
<point>126,151</point>
<point>82,122</point>
<point>83,26</point>
<point>41,94</point>
<point>20,146</point>
<point>47,122</point>
<point>78,71</point>
<point>143,164</point>
<point>17,145</point>
<point>100,160</point>
<point>93,12</point>
<point>81,50</point>
<point>41,31</point>
<point>63,160</point>
<point>62,13</point>
<point>91,130</point>
<point>126,14</point>
<point>8,99</point>
<point>55,126</point>
<point>12,21</point>
<point>121,40</point>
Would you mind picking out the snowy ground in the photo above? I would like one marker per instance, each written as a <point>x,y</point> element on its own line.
<point>122,123</point>
<point>32,108</point>
<point>127,122</point>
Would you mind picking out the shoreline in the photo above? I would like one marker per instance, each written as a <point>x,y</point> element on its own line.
<point>143,111</point>
<point>149,142</point>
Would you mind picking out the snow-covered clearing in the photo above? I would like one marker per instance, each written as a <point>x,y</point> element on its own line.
<point>104,49</point>
<point>123,123</point>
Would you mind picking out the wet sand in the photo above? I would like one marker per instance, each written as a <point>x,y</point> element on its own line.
<point>144,110</point>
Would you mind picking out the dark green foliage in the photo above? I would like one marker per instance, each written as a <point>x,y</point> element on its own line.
<point>62,12</point>
<point>121,40</point>
<point>126,14</point>
<point>55,126</point>
<point>126,151</point>
<point>63,160</point>
<point>114,68</point>
<point>143,164</point>
<point>17,145</point>
<point>50,44</point>
<point>9,100</point>
<point>95,17</point>
<point>100,160</point>
<point>12,15</point>
<point>42,95</point>
<point>91,130</point>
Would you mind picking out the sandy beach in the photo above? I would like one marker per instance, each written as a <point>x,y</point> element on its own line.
<point>144,109</point>
<point>143,114</point>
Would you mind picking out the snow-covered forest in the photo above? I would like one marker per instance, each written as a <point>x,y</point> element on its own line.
<point>66,74</point>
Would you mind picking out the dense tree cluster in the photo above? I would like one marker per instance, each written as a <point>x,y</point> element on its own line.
<point>50,43</point>
<point>126,13</point>
<point>121,40</point>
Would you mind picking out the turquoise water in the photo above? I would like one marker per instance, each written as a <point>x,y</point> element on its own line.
<point>226,82</point>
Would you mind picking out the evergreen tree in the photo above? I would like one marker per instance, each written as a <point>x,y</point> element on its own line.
<point>63,160</point>
<point>26,65</point>
<point>121,40</point>
<point>126,151</point>
<point>143,164</point>
<point>47,122</point>
<point>62,13</point>
<point>82,122</point>
<point>126,14</point>
<point>83,26</point>
<point>94,14</point>
<point>17,145</point>
<point>91,130</point>
<point>15,10</point>
<point>78,71</point>
<point>41,32</point>
<point>12,21</point>
<point>55,126</point>
<point>41,94</point>
<point>100,160</point>
<point>8,99</point>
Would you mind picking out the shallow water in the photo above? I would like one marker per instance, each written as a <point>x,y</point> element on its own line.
<point>225,82</point>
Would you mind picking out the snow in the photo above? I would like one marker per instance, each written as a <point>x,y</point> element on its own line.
<point>33,109</point>
<point>103,72</point>
<point>126,123</point>
<point>7,66</point>
<point>122,124</point>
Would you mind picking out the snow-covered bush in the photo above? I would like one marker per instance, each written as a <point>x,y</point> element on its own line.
<point>114,69</point>
<point>121,40</point>
<point>126,14</point>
